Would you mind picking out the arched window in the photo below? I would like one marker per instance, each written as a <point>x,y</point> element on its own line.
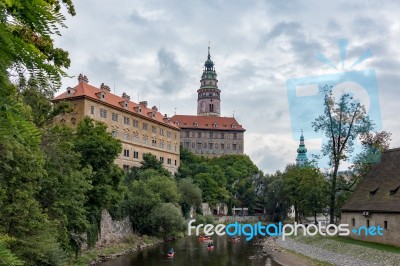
<point>211,107</point>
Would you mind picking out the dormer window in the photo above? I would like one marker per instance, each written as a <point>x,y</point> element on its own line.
<point>215,125</point>
<point>373,192</point>
<point>195,124</point>
<point>233,125</point>
<point>394,191</point>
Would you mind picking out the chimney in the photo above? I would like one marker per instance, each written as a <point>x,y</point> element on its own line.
<point>82,79</point>
<point>143,103</point>
<point>126,96</point>
<point>105,87</point>
<point>154,108</point>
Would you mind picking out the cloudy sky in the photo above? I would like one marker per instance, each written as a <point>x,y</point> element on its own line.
<point>155,51</point>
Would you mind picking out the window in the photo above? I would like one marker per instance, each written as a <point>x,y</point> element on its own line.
<point>222,135</point>
<point>135,123</point>
<point>216,146</point>
<point>222,146</point>
<point>176,148</point>
<point>175,135</point>
<point>385,225</point>
<point>162,159</point>
<point>103,113</point>
<point>234,135</point>
<point>187,144</point>
<point>161,131</point>
<point>353,222</point>
<point>127,121</point>
<point>125,167</point>
<point>169,161</point>
<point>126,153</point>
<point>145,141</point>
<point>136,154</point>
<point>211,135</point>
<point>199,134</point>
<point>234,146</point>
<point>210,146</point>
<point>368,223</point>
<point>73,120</point>
<point>169,134</point>
<point>205,145</point>
<point>154,143</point>
<point>154,129</point>
<point>92,110</point>
<point>127,136</point>
<point>198,145</point>
<point>114,117</point>
<point>187,133</point>
<point>162,144</point>
<point>169,146</point>
<point>135,137</point>
<point>193,145</point>
<point>114,132</point>
<point>228,146</point>
<point>175,162</point>
<point>144,126</point>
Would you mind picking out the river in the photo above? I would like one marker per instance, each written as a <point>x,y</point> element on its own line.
<point>191,251</point>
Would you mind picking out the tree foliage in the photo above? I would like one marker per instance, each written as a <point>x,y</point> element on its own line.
<point>229,179</point>
<point>343,121</point>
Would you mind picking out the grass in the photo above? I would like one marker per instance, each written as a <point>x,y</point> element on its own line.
<point>373,245</point>
<point>314,261</point>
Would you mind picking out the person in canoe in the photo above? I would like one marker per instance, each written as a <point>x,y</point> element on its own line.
<point>171,252</point>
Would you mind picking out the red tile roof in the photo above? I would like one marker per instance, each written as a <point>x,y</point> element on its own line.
<point>83,89</point>
<point>207,122</point>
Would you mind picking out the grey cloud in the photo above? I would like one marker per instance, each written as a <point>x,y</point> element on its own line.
<point>171,74</point>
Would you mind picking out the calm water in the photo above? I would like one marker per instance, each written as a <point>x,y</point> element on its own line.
<point>190,251</point>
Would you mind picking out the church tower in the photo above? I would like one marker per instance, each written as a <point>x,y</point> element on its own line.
<point>301,152</point>
<point>208,100</point>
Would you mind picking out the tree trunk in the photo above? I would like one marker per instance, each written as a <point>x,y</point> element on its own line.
<point>333,194</point>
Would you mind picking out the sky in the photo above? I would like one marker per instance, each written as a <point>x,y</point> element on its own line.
<point>155,51</point>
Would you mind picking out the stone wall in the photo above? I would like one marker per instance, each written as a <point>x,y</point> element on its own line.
<point>391,234</point>
<point>113,231</point>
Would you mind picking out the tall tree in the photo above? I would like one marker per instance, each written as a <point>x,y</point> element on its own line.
<point>343,121</point>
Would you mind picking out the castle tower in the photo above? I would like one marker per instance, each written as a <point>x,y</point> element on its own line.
<point>301,152</point>
<point>208,101</point>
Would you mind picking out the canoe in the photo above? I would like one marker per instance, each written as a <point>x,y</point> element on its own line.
<point>170,255</point>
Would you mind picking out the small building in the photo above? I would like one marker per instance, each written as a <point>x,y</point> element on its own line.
<point>376,202</point>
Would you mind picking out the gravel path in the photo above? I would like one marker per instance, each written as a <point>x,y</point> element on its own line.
<point>343,254</point>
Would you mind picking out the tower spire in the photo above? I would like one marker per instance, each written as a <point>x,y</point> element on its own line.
<point>301,152</point>
<point>209,56</point>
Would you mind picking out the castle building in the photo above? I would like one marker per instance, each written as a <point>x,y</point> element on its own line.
<point>139,128</point>
<point>207,133</point>
<point>301,159</point>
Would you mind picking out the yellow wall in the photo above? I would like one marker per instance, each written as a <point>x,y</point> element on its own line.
<point>82,107</point>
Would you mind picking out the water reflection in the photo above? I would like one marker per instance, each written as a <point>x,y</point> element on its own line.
<point>190,251</point>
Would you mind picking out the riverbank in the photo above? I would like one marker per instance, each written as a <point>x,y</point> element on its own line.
<point>284,256</point>
<point>332,251</point>
<point>97,255</point>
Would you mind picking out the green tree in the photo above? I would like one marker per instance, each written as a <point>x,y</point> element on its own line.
<point>167,219</point>
<point>65,187</point>
<point>191,196</point>
<point>98,150</point>
<point>26,29</point>
<point>343,121</point>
